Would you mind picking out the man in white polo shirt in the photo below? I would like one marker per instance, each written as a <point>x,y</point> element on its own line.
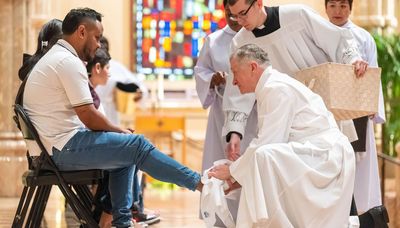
<point>59,103</point>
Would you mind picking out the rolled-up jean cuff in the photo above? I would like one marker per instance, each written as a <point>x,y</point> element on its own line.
<point>195,182</point>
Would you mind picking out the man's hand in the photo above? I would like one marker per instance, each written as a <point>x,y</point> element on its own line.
<point>128,131</point>
<point>232,186</point>
<point>233,148</point>
<point>360,67</point>
<point>217,79</point>
<point>220,172</point>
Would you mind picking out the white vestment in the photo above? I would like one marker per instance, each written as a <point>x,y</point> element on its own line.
<point>304,39</point>
<point>214,56</point>
<point>367,191</point>
<point>118,73</point>
<point>299,171</point>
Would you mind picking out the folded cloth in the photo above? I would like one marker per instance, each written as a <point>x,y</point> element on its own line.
<point>213,201</point>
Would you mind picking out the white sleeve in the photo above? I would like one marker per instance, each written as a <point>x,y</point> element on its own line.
<point>236,106</point>
<point>203,72</point>
<point>372,59</point>
<point>338,43</point>
<point>75,81</point>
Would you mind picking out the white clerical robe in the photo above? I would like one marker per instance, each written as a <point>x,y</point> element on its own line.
<point>367,192</point>
<point>299,171</point>
<point>304,39</point>
<point>118,73</point>
<point>214,56</point>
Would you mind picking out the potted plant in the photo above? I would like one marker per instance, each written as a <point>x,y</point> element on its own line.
<point>388,48</point>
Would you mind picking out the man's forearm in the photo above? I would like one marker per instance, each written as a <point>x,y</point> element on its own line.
<point>95,120</point>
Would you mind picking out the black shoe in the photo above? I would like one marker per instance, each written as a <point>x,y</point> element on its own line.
<point>380,216</point>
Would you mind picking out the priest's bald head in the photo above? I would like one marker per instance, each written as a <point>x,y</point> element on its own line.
<point>248,64</point>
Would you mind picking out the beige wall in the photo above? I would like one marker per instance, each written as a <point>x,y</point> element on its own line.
<point>116,22</point>
<point>318,5</point>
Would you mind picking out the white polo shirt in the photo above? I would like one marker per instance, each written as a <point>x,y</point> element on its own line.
<point>57,84</point>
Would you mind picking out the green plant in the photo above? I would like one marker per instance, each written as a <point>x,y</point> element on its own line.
<point>388,48</point>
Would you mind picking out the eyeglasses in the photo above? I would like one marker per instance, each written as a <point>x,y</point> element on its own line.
<point>241,15</point>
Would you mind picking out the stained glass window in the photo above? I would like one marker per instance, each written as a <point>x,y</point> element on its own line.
<point>169,34</point>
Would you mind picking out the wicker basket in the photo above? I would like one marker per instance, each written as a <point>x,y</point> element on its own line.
<point>346,96</point>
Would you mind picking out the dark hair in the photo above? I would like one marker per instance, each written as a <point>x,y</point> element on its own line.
<point>48,36</point>
<point>349,1</point>
<point>102,56</point>
<point>104,43</point>
<point>233,2</point>
<point>75,17</point>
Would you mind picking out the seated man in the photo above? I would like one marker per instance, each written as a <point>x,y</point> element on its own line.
<point>59,103</point>
<point>299,170</point>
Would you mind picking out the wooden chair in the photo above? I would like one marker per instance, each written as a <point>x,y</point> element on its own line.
<point>42,175</point>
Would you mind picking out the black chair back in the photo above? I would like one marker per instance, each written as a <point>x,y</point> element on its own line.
<point>43,175</point>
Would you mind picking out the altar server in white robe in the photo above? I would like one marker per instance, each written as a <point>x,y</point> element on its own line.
<point>295,37</point>
<point>210,70</point>
<point>367,191</point>
<point>299,170</point>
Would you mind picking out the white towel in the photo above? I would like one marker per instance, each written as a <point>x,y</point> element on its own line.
<point>213,201</point>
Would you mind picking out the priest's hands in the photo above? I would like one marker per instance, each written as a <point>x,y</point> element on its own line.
<point>221,172</point>
<point>217,79</point>
<point>232,186</point>
<point>233,148</point>
<point>360,67</point>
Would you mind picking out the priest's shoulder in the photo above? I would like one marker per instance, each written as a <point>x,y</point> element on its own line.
<point>296,9</point>
<point>243,37</point>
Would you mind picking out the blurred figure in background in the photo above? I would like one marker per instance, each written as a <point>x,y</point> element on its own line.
<point>120,78</point>
<point>48,36</point>
<point>123,79</point>
<point>210,71</point>
<point>367,191</point>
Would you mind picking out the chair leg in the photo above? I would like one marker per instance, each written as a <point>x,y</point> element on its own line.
<point>79,209</point>
<point>23,206</point>
<point>85,195</point>
<point>35,207</point>
<point>18,215</point>
<point>40,208</point>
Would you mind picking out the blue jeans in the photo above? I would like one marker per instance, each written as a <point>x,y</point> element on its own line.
<point>119,154</point>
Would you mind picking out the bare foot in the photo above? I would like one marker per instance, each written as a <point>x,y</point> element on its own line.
<point>199,186</point>
<point>105,220</point>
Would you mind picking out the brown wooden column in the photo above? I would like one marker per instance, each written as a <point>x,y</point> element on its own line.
<point>12,147</point>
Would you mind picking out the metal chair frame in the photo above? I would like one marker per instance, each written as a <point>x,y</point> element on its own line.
<point>42,175</point>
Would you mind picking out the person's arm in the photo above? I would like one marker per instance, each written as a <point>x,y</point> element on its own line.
<point>95,120</point>
<point>237,108</point>
<point>276,111</point>
<point>127,87</point>
<point>74,79</point>
<point>206,76</point>
<point>338,43</point>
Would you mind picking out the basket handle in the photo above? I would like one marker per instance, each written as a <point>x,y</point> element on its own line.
<point>311,84</point>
